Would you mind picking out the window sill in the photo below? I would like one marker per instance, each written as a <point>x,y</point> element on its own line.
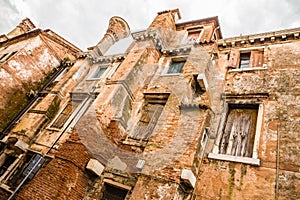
<point>246,160</point>
<point>174,74</point>
<point>93,79</point>
<point>248,69</point>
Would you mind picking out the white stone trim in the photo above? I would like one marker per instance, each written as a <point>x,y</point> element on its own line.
<point>248,69</point>
<point>246,160</point>
<point>257,131</point>
<point>254,159</point>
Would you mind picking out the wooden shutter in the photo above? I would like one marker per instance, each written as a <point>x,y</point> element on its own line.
<point>256,59</point>
<point>239,132</point>
<point>234,58</point>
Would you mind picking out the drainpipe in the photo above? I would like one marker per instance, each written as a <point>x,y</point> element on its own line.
<point>277,164</point>
<point>8,128</point>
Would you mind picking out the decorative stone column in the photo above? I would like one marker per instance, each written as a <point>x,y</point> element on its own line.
<point>117,29</point>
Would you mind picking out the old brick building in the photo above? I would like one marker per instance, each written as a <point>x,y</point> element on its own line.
<point>171,112</point>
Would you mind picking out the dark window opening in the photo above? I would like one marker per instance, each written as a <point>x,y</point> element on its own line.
<point>176,67</point>
<point>245,60</point>
<point>3,56</point>
<point>239,131</point>
<point>29,160</point>
<point>113,193</point>
<point>6,160</point>
<point>196,86</point>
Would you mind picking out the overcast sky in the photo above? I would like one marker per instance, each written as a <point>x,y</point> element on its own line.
<point>83,22</point>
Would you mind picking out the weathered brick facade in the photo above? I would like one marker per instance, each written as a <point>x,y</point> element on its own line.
<point>171,112</point>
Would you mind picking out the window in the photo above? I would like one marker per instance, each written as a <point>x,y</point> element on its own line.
<point>111,192</point>
<point>8,155</point>
<point>148,120</point>
<point>35,164</point>
<point>6,56</point>
<point>239,132</point>
<point>2,57</point>
<point>175,67</point>
<point>194,34</point>
<point>238,135</point>
<point>98,72</point>
<point>246,58</point>
<point>150,114</point>
<point>65,114</point>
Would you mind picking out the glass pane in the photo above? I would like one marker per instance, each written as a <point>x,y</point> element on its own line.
<point>244,60</point>
<point>99,73</point>
<point>176,67</point>
<point>244,63</point>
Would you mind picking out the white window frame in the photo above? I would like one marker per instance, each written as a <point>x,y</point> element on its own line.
<point>254,160</point>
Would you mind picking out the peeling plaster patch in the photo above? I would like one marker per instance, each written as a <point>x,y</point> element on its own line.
<point>20,71</point>
<point>32,44</point>
<point>46,59</point>
<point>163,191</point>
<point>5,75</point>
<point>14,65</point>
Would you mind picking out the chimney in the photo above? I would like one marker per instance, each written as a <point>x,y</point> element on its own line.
<point>117,29</point>
<point>166,19</point>
<point>24,27</point>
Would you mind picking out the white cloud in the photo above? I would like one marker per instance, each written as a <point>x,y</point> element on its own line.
<point>84,22</point>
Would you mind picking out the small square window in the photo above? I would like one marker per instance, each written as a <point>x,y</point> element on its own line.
<point>176,67</point>
<point>98,73</point>
<point>245,60</point>
<point>194,34</point>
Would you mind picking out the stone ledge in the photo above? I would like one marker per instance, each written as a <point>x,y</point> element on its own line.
<point>246,160</point>
<point>247,69</point>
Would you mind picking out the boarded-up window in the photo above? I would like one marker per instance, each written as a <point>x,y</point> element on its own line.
<point>65,114</point>
<point>148,120</point>
<point>151,112</point>
<point>176,67</point>
<point>113,193</point>
<point>239,132</point>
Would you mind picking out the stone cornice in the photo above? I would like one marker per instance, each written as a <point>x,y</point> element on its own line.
<point>268,37</point>
<point>159,44</point>
<point>149,34</point>
<point>102,59</point>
